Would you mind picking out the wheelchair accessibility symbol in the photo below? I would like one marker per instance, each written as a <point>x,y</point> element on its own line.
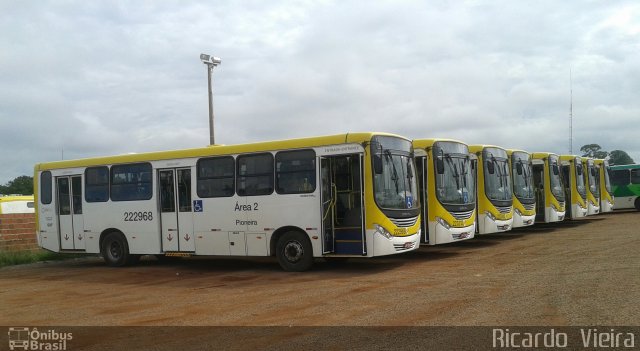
<point>197,205</point>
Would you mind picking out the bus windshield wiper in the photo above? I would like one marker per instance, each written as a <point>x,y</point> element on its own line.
<point>497,168</point>
<point>395,178</point>
<point>456,175</point>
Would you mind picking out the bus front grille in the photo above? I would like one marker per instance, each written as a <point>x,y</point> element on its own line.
<point>529,207</point>
<point>404,222</point>
<point>504,209</point>
<point>462,215</point>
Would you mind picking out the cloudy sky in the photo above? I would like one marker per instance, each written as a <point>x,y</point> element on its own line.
<point>88,78</point>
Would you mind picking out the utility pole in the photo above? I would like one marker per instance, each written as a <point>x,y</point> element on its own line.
<point>570,113</point>
<point>210,62</point>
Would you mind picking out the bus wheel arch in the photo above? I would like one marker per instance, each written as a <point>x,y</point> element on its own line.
<point>114,248</point>
<point>292,248</point>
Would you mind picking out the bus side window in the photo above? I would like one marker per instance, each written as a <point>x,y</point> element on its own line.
<point>216,177</point>
<point>620,177</point>
<point>96,184</point>
<point>46,188</point>
<point>296,172</point>
<point>254,174</point>
<point>131,182</point>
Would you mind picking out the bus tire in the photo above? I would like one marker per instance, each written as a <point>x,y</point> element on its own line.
<point>637,203</point>
<point>115,250</point>
<point>294,252</point>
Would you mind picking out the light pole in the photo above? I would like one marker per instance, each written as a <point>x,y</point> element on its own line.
<point>211,62</point>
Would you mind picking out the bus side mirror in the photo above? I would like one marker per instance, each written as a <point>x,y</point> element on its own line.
<point>593,172</point>
<point>519,168</point>
<point>440,165</point>
<point>377,164</point>
<point>555,169</point>
<point>491,167</point>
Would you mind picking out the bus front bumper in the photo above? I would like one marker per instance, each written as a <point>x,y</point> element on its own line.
<point>396,244</point>
<point>489,225</point>
<point>520,220</point>
<point>439,234</point>
<point>553,215</point>
<point>606,206</point>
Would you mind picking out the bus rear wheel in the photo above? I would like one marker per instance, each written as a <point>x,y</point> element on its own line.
<point>637,203</point>
<point>115,251</point>
<point>294,252</point>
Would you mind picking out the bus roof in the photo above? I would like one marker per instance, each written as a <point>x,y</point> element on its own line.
<point>425,143</point>
<point>570,157</point>
<point>213,150</point>
<point>619,167</point>
<point>511,151</point>
<point>542,154</point>
<point>479,147</point>
<point>10,198</point>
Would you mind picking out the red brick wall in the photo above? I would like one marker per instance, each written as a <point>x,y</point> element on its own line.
<point>18,232</point>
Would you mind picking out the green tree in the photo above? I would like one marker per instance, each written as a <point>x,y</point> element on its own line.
<point>22,185</point>
<point>593,150</point>
<point>619,157</point>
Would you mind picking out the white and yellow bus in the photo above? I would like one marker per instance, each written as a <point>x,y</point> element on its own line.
<point>524,196</point>
<point>606,194</point>
<point>574,186</point>
<point>16,204</point>
<point>446,186</point>
<point>494,198</point>
<point>547,181</point>
<point>347,195</point>
<point>591,182</point>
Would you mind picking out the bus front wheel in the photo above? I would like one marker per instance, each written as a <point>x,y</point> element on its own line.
<point>115,251</point>
<point>294,252</point>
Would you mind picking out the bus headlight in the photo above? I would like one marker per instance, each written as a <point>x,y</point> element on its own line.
<point>380,230</point>
<point>443,223</point>
<point>517,211</point>
<point>490,215</point>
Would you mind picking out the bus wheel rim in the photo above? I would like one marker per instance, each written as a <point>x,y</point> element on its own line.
<point>293,251</point>
<point>115,250</point>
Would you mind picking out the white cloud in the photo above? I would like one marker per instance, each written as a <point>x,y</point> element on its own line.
<point>100,78</point>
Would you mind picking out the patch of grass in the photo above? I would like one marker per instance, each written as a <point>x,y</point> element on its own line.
<point>10,258</point>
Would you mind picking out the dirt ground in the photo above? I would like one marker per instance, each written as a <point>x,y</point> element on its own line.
<point>583,272</point>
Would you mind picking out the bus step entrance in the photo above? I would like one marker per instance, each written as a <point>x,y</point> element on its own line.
<point>178,254</point>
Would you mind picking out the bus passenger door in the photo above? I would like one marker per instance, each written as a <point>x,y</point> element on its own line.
<point>423,169</point>
<point>327,196</point>
<point>78,219</point>
<point>176,216</point>
<point>185,212</point>
<point>342,205</point>
<point>70,221</point>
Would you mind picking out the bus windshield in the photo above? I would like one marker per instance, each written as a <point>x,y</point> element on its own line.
<point>522,176</point>
<point>554,178</point>
<point>455,185</point>
<point>497,180</point>
<point>394,180</point>
<point>582,190</point>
